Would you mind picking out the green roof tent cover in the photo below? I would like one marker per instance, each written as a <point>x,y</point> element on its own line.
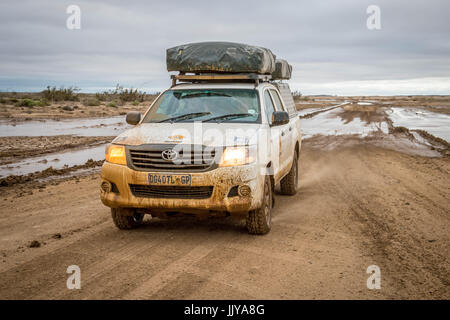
<point>283,70</point>
<point>225,57</point>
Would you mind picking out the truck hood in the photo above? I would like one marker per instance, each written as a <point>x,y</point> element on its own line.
<point>207,134</point>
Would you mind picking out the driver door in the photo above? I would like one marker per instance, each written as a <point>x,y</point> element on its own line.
<point>279,142</point>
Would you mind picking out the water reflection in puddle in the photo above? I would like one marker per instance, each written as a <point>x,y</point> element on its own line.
<point>304,112</point>
<point>54,160</point>
<point>81,127</point>
<point>335,121</point>
<point>341,122</point>
<point>435,123</point>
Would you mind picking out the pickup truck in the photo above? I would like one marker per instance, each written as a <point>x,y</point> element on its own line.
<point>206,148</point>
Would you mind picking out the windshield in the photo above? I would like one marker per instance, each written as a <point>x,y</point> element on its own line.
<point>221,105</point>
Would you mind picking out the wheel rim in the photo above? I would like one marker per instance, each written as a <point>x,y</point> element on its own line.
<point>138,217</point>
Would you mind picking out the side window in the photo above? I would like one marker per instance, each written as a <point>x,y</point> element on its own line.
<point>276,98</point>
<point>269,106</point>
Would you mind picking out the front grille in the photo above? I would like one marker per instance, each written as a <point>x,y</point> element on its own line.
<point>150,157</point>
<point>171,192</point>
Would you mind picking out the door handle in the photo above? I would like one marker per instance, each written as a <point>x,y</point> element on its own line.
<point>282,133</point>
<point>290,128</point>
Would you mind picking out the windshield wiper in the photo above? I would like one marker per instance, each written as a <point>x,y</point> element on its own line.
<point>186,116</point>
<point>200,94</point>
<point>229,116</point>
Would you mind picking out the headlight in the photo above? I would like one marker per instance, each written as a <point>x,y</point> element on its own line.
<point>236,156</point>
<point>115,154</point>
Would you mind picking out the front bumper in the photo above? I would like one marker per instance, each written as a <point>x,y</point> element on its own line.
<point>222,179</point>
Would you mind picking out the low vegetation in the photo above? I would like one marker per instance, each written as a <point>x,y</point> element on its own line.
<point>32,103</point>
<point>91,102</point>
<point>119,93</point>
<point>62,94</point>
<point>65,98</point>
<point>112,104</point>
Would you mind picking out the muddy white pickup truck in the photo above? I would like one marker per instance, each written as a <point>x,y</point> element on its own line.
<point>212,144</point>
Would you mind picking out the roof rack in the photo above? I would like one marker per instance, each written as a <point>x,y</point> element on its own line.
<point>252,77</point>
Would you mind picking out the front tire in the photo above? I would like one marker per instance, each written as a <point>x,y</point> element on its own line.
<point>259,221</point>
<point>289,184</point>
<point>126,218</point>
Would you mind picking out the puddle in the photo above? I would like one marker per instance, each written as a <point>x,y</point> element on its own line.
<point>365,103</point>
<point>321,99</point>
<point>55,160</point>
<point>311,112</point>
<point>341,122</point>
<point>308,111</point>
<point>111,126</point>
<point>420,139</point>
<point>435,123</point>
<point>329,121</point>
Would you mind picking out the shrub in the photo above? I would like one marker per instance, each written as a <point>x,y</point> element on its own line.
<point>91,102</point>
<point>296,94</point>
<point>112,104</point>
<point>32,103</point>
<point>122,94</point>
<point>26,103</point>
<point>100,96</point>
<point>42,103</point>
<point>61,94</point>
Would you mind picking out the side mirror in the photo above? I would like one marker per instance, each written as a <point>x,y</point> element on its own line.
<point>279,118</point>
<point>133,117</point>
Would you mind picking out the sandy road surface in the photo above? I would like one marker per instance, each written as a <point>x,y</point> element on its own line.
<point>357,206</point>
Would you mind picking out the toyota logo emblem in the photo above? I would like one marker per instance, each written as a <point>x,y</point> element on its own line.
<point>169,155</point>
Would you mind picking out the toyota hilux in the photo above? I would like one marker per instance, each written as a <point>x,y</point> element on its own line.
<point>216,146</point>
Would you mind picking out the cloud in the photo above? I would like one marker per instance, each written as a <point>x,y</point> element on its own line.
<point>326,41</point>
<point>428,86</point>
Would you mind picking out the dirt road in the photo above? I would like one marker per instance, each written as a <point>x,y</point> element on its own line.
<point>358,206</point>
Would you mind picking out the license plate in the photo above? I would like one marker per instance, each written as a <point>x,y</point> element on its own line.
<point>169,179</point>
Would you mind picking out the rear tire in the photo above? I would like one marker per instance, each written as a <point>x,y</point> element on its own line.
<point>259,221</point>
<point>126,218</point>
<point>289,184</point>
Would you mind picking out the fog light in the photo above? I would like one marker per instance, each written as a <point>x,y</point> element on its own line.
<point>244,191</point>
<point>106,186</point>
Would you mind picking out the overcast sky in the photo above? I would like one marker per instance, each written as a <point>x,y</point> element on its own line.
<point>327,42</point>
